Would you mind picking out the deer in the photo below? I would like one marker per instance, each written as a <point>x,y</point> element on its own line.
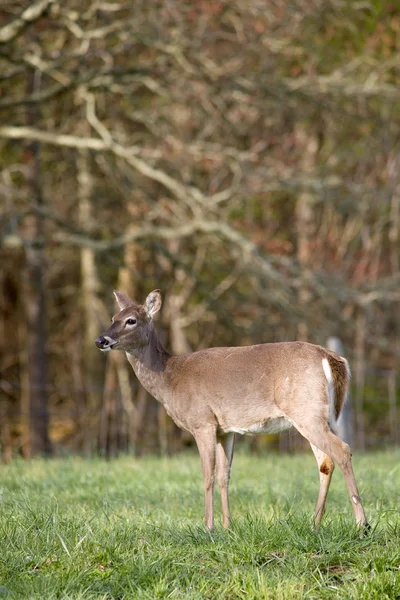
<point>215,393</point>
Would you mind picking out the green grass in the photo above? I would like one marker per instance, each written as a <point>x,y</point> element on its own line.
<point>90,529</point>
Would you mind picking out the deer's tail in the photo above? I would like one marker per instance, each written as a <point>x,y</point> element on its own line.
<point>337,371</point>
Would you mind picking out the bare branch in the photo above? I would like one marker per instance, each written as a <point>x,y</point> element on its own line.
<point>107,143</point>
<point>71,141</point>
<point>29,15</point>
<point>179,190</point>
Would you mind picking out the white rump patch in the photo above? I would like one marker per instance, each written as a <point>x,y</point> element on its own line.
<point>331,390</point>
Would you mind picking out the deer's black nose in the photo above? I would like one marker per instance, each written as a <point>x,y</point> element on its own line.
<point>102,342</point>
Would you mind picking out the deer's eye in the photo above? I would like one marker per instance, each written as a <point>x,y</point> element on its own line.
<point>130,322</point>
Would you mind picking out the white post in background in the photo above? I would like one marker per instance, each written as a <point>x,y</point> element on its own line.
<point>345,422</point>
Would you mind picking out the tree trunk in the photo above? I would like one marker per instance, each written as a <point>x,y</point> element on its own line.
<point>94,313</point>
<point>360,377</point>
<point>304,219</point>
<point>394,237</point>
<point>305,226</point>
<point>33,285</point>
<point>35,318</point>
<point>392,396</point>
<point>8,357</point>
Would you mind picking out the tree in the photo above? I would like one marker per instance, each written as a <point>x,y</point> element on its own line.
<point>245,155</point>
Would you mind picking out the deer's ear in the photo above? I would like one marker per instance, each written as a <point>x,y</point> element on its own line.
<point>122,300</point>
<point>153,303</point>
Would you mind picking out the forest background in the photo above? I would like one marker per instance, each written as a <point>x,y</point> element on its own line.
<point>242,156</point>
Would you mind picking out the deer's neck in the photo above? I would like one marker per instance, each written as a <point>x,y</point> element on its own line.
<point>150,364</point>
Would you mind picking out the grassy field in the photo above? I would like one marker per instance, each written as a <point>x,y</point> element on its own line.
<point>90,529</point>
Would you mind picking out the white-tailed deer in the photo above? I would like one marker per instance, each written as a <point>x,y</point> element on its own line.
<point>218,392</point>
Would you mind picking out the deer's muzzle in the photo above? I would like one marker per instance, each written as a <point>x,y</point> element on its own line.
<point>105,343</point>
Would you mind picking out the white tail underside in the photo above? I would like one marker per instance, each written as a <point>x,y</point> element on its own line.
<point>331,391</point>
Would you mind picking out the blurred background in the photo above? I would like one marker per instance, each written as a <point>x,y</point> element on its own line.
<point>242,156</point>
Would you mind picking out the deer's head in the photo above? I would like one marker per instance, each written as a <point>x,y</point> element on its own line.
<point>131,326</point>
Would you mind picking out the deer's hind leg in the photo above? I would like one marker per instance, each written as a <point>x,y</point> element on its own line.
<point>319,434</point>
<point>325,468</point>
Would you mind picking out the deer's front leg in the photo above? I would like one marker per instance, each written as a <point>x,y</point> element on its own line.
<point>224,460</point>
<point>205,440</point>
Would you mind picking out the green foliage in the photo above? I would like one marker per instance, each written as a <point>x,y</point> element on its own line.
<point>90,529</point>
